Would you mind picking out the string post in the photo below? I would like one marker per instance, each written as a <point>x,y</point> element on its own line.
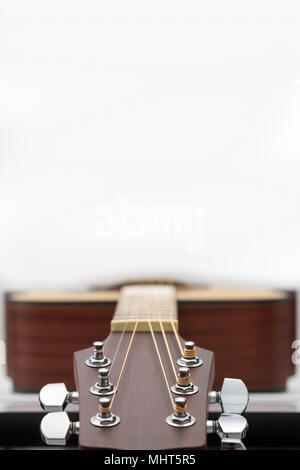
<point>98,350</point>
<point>180,407</point>
<point>183,376</point>
<point>180,417</point>
<point>184,386</point>
<point>189,351</point>
<point>103,386</point>
<point>104,406</point>
<point>189,357</point>
<point>97,359</point>
<point>105,418</point>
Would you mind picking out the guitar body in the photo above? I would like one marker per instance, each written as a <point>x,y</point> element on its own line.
<point>249,330</point>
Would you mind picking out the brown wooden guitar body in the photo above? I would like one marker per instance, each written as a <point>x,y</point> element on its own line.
<point>250,335</point>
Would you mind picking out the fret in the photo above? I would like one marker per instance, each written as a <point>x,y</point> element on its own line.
<point>144,303</point>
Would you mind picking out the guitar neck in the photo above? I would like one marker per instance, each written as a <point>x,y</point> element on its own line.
<point>140,306</point>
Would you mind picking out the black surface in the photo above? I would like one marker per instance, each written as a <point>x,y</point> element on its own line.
<point>266,430</point>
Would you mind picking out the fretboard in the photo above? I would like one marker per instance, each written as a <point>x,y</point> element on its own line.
<point>138,305</point>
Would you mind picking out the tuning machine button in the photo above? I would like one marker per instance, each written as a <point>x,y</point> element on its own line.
<point>180,418</point>
<point>105,418</point>
<point>184,386</point>
<point>55,397</point>
<point>103,386</point>
<point>233,397</point>
<point>56,428</point>
<point>231,428</point>
<point>98,359</point>
<point>189,358</point>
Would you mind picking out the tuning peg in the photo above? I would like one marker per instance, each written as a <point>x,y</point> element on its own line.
<point>231,428</point>
<point>55,397</point>
<point>180,418</point>
<point>184,386</point>
<point>103,386</point>
<point>98,359</point>
<point>105,418</point>
<point>56,428</point>
<point>233,396</point>
<point>189,358</point>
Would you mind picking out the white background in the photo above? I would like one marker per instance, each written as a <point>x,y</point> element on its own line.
<point>186,102</point>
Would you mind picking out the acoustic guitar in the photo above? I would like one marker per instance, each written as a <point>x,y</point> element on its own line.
<point>250,330</point>
<point>144,387</point>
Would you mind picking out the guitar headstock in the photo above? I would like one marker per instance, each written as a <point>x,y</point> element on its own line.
<point>142,404</point>
<point>142,401</point>
<point>145,388</point>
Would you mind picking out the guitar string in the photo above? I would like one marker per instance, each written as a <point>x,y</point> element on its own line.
<point>128,349</point>
<point>168,349</point>
<point>157,350</point>
<point>161,364</point>
<point>119,342</point>
<point>177,337</point>
<point>124,362</point>
<point>166,342</point>
<point>118,346</point>
<point>158,353</point>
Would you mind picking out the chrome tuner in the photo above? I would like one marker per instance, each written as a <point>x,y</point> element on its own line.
<point>233,397</point>
<point>231,428</point>
<point>103,386</point>
<point>56,428</point>
<point>180,418</point>
<point>55,397</point>
<point>105,418</point>
<point>184,386</point>
<point>98,359</point>
<point>189,358</point>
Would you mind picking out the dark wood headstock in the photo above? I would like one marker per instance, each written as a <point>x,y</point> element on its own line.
<point>142,400</point>
<point>135,408</point>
